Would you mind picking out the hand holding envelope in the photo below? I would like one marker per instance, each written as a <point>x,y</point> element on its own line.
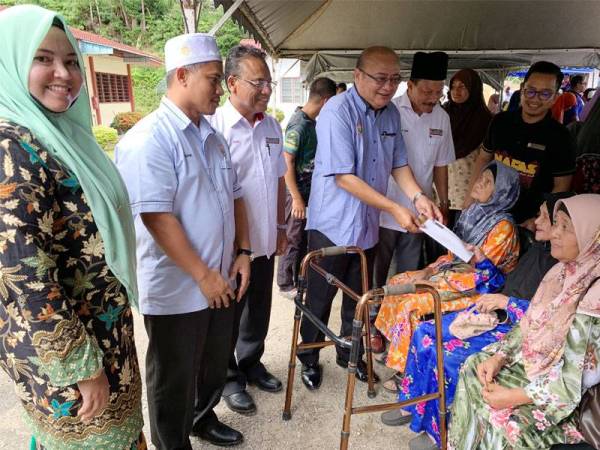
<point>446,237</point>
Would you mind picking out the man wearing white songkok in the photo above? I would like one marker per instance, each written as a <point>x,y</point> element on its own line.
<point>189,216</point>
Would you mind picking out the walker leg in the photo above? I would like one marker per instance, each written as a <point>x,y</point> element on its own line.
<point>287,413</point>
<point>350,383</point>
<point>369,354</point>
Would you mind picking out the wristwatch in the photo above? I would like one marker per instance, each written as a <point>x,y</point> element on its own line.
<point>244,251</point>
<point>417,196</point>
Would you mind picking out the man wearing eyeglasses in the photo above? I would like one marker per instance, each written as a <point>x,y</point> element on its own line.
<point>256,144</point>
<point>532,142</point>
<point>359,144</point>
<point>426,131</point>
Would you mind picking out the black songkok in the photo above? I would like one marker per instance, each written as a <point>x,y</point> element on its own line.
<point>429,66</point>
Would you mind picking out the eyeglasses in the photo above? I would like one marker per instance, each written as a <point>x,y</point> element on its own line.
<point>394,80</point>
<point>544,94</point>
<point>260,84</point>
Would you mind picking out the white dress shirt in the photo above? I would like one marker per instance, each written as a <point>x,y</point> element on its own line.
<point>256,153</point>
<point>428,140</point>
<point>171,165</point>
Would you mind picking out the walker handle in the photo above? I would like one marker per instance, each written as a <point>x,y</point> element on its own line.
<point>399,289</point>
<point>334,251</point>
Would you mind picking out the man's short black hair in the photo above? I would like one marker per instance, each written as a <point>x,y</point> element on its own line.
<point>342,86</point>
<point>321,88</point>
<point>239,53</point>
<point>190,67</point>
<point>575,80</point>
<point>547,68</point>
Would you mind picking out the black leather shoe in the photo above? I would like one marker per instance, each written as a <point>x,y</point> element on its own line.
<point>219,434</point>
<point>311,376</point>
<point>361,370</point>
<point>240,402</point>
<point>267,382</point>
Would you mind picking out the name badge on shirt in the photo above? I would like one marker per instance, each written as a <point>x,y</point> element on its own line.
<point>386,134</point>
<point>273,141</point>
<point>535,146</point>
<point>435,132</point>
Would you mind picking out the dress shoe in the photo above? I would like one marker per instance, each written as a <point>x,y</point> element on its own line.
<point>266,382</point>
<point>311,376</point>
<point>395,418</point>
<point>377,344</point>
<point>219,434</point>
<point>361,370</point>
<point>240,402</point>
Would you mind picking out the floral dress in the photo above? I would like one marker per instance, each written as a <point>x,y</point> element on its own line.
<point>63,314</point>
<point>421,377</point>
<point>550,419</point>
<point>399,315</point>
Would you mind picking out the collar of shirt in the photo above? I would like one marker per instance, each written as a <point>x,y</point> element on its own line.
<point>232,116</point>
<point>182,121</point>
<point>362,104</point>
<point>304,115</point>
<point>518,118</point>
<point>404,102</point>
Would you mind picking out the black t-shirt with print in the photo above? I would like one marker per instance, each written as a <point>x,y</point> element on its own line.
<point>538,151</point>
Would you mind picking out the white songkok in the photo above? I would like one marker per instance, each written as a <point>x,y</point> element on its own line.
<point>189,49</point>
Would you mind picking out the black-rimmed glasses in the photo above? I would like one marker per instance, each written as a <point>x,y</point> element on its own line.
<point>544,94</point>
<point>394,80</point>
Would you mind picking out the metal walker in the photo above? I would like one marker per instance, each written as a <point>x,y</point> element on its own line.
<point>361,319</point>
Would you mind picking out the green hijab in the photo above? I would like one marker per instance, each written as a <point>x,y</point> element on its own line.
<point>67,136</point>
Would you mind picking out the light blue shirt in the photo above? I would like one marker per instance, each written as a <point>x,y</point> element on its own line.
<point>171,165</point>
<point>352,139</point>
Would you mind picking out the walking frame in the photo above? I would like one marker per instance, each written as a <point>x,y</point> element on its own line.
<point>361,319</point>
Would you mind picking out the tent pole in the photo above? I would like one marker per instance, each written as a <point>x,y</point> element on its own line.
<point>217,26</point>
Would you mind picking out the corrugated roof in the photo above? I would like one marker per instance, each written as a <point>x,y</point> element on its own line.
<point>93,38</point>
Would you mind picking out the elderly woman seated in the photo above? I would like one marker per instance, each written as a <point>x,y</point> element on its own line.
<point>487,225</point>
<point>511,304</point>
<point>522,392</point>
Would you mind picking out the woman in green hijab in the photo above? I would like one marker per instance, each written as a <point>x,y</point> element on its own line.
<point>67,261</point>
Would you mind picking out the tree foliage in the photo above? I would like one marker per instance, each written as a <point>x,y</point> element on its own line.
<point>145,24</point>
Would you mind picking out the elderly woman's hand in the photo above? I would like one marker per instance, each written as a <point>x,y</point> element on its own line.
<point>497,396</point>
<point>489,302</point>
<point>478,255</point>
<point>488,369</point>
<point>500,397</point>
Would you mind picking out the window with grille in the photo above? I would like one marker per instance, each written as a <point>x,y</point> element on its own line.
<point>112,88</point>
<point>291,90</point>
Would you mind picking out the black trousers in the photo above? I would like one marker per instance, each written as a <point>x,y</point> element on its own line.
<point>396,252</point>
<point>320,295</point>
<point>251,324</point>
<point>289,263</point>
<point>186,366</point>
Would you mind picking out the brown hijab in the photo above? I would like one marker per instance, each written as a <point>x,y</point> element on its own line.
<point>469,120</point>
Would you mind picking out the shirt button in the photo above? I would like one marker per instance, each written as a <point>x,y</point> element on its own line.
<point>374,160</point>
<point>374,142</point>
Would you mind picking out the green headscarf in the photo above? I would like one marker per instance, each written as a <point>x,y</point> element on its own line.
<point>67,136</point>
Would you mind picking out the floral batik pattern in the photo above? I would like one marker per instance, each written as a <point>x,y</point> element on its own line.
<point>457,285</point>
<point>63,314</point>
<point>421,376</point>
<point>550,419</point>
